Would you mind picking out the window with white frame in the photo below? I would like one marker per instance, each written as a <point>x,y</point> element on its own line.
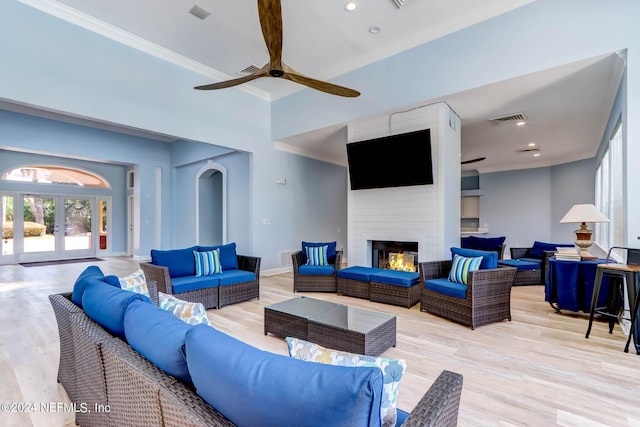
<point>609,193</point>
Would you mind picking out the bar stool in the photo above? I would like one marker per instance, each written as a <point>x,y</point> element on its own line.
<point>618,274</point>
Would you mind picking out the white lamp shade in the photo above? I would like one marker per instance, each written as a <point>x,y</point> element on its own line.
<point>584,213</point>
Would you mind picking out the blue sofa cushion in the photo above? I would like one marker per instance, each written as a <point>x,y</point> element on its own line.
<point>323,270</point>
<point>192,283</point>
<point>538,249</point>
<point>357,273</point>
<point>465,242</point>
<point>91,272</point>
<point>331,250</point>
<point>158,335</point>
<point>395,277</point>
<point>179,261</point>
<point>520,264</point>
<point>401,417</point>
<point>532,260</point>
<point>487,243</point>
<point>252,387</point>
<point>447,287</point>
<point>228,255</point>
<point>232,277</point>
<point>106,305</point>
<point>112,280</point>
<point>489,258</point>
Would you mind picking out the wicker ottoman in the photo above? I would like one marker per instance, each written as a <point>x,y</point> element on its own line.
<point>395,287</point>
<point>354,281</point>
<point>528,273</point>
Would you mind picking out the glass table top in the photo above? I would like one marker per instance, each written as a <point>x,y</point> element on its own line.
<point>303,306</point>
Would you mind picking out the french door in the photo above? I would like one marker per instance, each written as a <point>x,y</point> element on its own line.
<point>50,227</point>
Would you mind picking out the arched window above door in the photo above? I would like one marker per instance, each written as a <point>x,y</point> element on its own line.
<point>44,174</point>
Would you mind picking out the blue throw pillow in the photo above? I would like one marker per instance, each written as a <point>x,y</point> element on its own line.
<point>331,251</point>
<point>317,255</point>
<point>461,267</point>
<point>179,261</point>
<point>489,258</point>
<point>228,255</point>
<point>465,242</point>
<point>487,243</point>
<point>91,272</point>
<point>207,263</point>
<point>106,305</point>
<point>252,387</point>
<point>539,248</point>
<point>158,335</point>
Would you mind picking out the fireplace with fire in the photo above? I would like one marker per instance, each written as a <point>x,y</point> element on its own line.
<point>389,255</point>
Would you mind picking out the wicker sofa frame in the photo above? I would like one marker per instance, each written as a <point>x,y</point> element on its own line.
<point>488,296</point>
<point>314,282</point>
<point>212,297</point>
<point>110,372</point>
<point>531,277</point>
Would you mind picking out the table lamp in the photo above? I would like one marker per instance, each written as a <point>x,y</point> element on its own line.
<point>582,214</point>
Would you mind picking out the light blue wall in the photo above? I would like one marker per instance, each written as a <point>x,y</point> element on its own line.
<point>527,205</point>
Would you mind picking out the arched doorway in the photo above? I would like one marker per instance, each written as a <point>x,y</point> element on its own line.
<point>211,205</point>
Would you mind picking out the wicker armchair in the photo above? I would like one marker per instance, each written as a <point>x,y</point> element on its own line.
<point>530,277</point>
<point>487,300</point>
<point>314,282</point>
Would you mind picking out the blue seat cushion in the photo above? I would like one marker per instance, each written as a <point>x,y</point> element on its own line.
<point>322,270</point>
<point>231,277</point>
<point>193,283</point>
<point>228,255</point>
<point>106,305</point>
<point>401,417</point>
<point>91,272</point>
<point>357,273</point>
<point>532,260</point>
<point>538,249</point>
<point>158,335</point>
<point>179,261</point>
<point>447,287</point>
<point>487,243</point>
<point>331,250</point>
<point>489,258</point>
<point>395,277</point>
<point>520,264</point>
<point>252,387</point>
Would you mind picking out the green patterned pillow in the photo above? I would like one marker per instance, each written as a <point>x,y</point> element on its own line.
<point>392,371</point>
<point>192,313</point>
<point>462,266</point>
<point>135,282</point>
<point>207,263</point>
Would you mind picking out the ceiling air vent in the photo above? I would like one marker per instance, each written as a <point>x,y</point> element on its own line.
<point>514,117</point>
<point>528,150</point>
<point>249,70</point>
<point>199,12</point>
<point>398,3</point>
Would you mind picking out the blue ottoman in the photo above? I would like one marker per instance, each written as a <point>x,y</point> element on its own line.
<point>528,273</point>
<point>354,281</point>
<point>395,287</point>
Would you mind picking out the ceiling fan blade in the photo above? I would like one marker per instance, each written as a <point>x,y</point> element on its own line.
<point>270,12</point>
<point>320,85</point>
<point>234,82</point>
<point>477,159</point>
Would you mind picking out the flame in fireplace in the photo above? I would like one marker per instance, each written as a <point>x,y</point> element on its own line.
<point>402,262</point>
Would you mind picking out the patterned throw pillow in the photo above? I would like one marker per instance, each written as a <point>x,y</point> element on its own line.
<point>135,282</point>
<point>317,255</point>
<point>392,371</point>
<point>461,266</point>
<point>192,313</point>
<point>207,263</point>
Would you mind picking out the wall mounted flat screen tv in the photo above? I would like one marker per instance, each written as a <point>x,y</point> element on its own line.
<point>391,161</point>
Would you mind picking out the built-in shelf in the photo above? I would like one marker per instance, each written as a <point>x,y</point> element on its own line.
<point>467,193</point>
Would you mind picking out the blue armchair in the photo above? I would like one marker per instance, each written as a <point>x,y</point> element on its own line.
<point>316,275</point>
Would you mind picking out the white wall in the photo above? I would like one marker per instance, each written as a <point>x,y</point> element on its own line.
<point>420,213</point>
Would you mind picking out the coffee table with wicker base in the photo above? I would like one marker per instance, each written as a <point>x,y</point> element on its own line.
<point>331,325</point>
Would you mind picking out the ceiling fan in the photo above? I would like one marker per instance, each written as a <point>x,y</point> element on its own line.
<point>477,159</point>
<point>270,13</point>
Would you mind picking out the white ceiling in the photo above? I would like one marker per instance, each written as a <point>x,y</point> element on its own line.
<point>567,108</point>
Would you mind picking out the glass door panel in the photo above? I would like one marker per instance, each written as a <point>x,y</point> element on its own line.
<point>6,217</point>
<point>39,224</point>
<point>77,224</point>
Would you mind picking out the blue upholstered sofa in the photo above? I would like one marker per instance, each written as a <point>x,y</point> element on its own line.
<point>175,273</point>
<point>151,368</point>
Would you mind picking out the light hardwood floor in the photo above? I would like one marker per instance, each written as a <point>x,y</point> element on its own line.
<point>537,370</point>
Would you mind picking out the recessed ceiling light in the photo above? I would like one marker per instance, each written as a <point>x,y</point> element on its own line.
<point>374,29</point>
<point>350,6</point>
<point>536,154</point>
<point>531,144</point>
<point>521,123</point>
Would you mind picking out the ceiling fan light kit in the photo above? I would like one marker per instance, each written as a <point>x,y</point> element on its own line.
<point>270,14</point>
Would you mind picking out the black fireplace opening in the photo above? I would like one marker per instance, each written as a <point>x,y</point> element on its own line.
<point>382,251</point>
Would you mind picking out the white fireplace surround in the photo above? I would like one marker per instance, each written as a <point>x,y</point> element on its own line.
<point>427,214</point>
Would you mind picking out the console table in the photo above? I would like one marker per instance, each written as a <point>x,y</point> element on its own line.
<point>569,284</point>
